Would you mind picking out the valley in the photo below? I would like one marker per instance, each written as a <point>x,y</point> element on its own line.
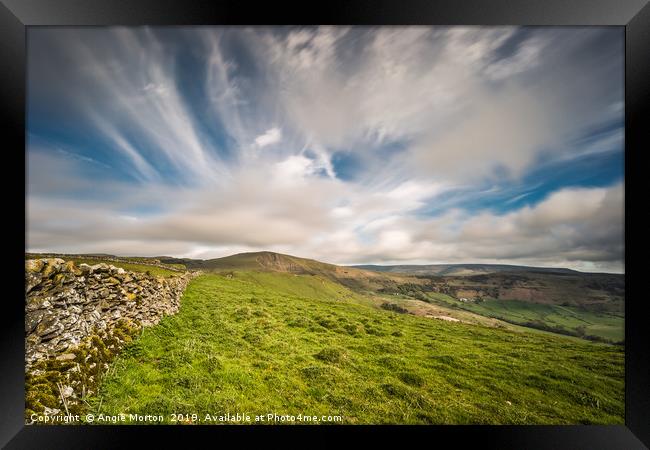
<point>270,334</point>
<point>568,302</point>
<point>297,344</point>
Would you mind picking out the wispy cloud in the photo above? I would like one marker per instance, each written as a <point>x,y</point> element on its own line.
<point>347,144</point>
<point>271,136</point>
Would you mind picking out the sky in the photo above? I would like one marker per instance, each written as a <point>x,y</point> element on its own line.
<point>349,145</point>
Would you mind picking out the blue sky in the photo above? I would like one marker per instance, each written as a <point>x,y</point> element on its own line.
<point>344,144</point>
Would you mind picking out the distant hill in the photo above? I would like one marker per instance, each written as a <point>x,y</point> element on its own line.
<point>542,285</point>
<point>551,299</point>
<point>462,269</point>
<point>355,278</point>
<point>263,261</point>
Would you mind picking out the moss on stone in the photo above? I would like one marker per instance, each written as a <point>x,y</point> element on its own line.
<point>49,269</point>
<point>58,278</point>
<point>83,366</point>
<point>34,265</point>
<point>91,357</point>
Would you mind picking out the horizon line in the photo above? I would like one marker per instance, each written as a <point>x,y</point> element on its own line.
<point>334,264</point>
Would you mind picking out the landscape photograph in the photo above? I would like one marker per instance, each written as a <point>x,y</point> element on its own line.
<point>332,225</point>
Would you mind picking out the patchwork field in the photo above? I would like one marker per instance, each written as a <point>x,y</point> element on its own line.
<point>575,321</point>
<point>286,343</point>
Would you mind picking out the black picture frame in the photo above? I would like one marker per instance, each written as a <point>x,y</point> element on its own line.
<point>17,15</point>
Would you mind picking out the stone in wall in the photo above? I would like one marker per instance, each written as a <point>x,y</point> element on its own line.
<point>75,316</point>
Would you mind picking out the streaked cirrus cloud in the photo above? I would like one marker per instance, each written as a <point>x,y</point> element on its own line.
<point>344,144</point>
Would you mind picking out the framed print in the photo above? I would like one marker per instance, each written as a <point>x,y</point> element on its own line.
<point>382,217</point>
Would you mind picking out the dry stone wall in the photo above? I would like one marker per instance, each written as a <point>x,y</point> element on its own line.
<point>78,317</point>
<point>108,259</point>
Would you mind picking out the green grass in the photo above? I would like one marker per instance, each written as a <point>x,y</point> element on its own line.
<point>605,325</point>
<point>260,343</point>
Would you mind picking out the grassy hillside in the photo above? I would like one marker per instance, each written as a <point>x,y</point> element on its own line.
<point>555,300</point>
<point>593,292</point>
<point>606,326</point>
<point>276,262</point>
<point>586,305</point>
<point>284,343</point>
<point>597,292</point>
<point>364,281</point>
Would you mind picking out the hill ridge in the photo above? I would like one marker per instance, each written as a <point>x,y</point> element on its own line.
<point>463,268</point>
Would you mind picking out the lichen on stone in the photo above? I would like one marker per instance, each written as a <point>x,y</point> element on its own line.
<point>78,318</point>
